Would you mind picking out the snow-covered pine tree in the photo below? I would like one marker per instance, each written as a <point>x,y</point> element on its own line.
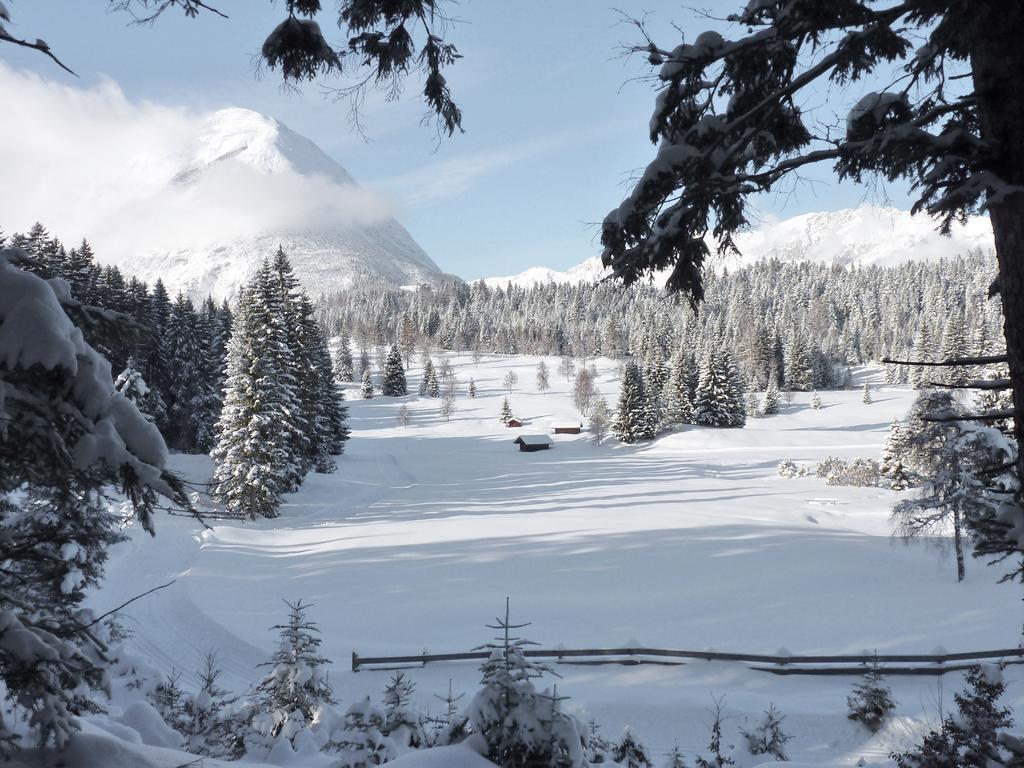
<point>871,700</point>
<point>596,747</point>
<point>543,377</point>
<point>186,376</point>
<point>963,468</point>
<point>431,386</point>
<point>975,737</point>
<point>634,417</point>
<point>344,370</point>
<point>767,736</point>
<point>253,459</point>
<point>291,694</point>
<point>715,403</point>
<point>629,752</point>
<point>516,723</point>
<point>471,392</point>
<point>770,402</point>
<point>505,414</point>
<point>677,405</point>
<point>131,384</point>
<point>892,464</point>
<point>799,371</point>
<point>394,384</point>
<point>815,401</point>
<point>866,397</point>
<point>325,401</point>
<point>67,437</point>
<point>367,390</point>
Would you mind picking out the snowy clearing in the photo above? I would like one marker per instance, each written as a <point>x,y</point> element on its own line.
<point>692,541</point>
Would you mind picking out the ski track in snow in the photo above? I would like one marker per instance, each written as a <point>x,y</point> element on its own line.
<point>691,541</point>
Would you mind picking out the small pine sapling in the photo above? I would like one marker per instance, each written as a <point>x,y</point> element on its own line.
<point>472,388</point>
<point>716,759</point>
<point>767,737</point>
<point>871,700</point>
<point>211,727</point>
<point>815,400</point>
<point>867,394</point>
<point>296,687</point>
<point>630,753</point>
<point>519,726</point>
<point>675,759</point>
<point>452,727</point>
<point>169,700</point>
<point>597,749</point>
<point>401,724</point>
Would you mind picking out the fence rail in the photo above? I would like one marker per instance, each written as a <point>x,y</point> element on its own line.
<point>780,665</point>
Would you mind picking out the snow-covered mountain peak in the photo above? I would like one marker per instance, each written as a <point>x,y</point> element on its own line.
<point>246,184</point>
<point>262,143</point>
<point>860,236</point>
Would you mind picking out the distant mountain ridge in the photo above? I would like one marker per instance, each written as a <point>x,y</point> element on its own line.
<point>854,236</point>
<point>278,189</point>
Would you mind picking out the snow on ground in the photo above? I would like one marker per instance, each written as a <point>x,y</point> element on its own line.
<point>692,542</point>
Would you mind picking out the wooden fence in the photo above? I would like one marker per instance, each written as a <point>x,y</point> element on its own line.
<point>919,664</point>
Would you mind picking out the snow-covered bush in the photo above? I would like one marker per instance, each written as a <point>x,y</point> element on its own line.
<point>858,472</point>
<point>789,469</point>
<point>871,700</point>
<point>767,736</point>
<point>362,743</point>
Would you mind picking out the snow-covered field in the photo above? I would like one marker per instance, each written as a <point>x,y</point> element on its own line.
<point>692,541</point>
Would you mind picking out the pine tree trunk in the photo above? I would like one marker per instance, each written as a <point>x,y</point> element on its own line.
<point>958,542</point>
<point>997,60</point>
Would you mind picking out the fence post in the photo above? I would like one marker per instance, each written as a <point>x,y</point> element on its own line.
<point>355,661</point>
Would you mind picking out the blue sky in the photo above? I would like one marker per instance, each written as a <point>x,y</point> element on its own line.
<point>555,121</point>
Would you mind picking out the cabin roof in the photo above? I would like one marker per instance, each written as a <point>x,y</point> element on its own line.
<point>534,440</point>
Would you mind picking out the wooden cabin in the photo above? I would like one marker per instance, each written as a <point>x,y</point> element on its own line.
<point>514,422</point>
<point>532,443</point>
<point>567,429</point>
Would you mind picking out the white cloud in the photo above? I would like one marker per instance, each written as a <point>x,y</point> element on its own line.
<point>90,162</point>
